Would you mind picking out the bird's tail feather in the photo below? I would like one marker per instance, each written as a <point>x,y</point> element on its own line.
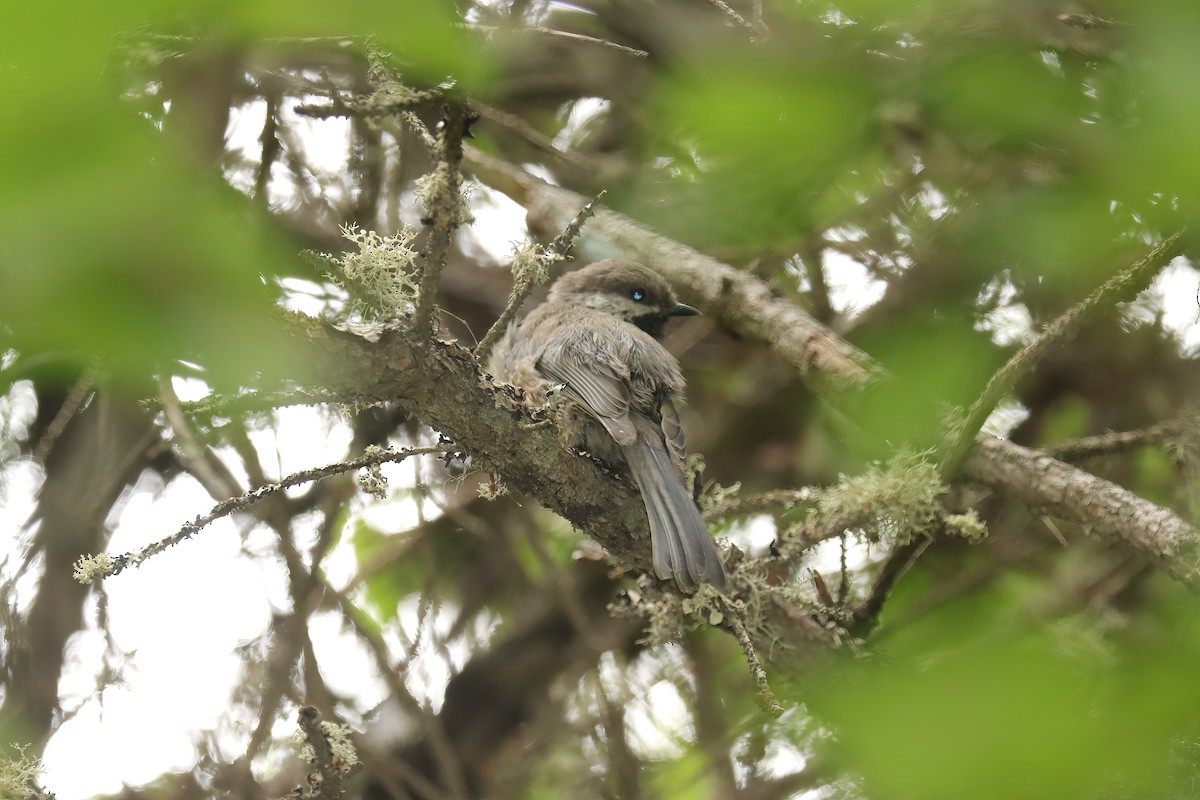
<point>682,546</point>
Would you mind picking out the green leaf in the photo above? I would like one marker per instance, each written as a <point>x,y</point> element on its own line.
<point>968,704</point>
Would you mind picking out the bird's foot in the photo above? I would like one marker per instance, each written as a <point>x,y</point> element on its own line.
<point>608,466</point>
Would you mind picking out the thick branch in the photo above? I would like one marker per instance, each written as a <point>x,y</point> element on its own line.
<point>1105,508</point>
<point>441,385</point>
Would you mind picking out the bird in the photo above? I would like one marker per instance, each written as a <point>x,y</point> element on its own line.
<point>596,341</point>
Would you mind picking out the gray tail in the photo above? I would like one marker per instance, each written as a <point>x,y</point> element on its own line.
<point>682,546</point>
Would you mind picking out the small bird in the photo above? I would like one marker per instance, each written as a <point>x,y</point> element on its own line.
<point>597,336</point>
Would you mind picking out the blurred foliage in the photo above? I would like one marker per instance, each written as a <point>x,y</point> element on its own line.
<point>911,411</point>
<point>987,697</point>
<point>123,246</point>
<point>945,148</point>
<point>780,131</point>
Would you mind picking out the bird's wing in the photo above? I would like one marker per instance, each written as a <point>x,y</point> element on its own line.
<point>596,386</point>
<point>673,432</point>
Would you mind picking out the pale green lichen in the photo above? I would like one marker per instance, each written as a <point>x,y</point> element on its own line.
<point>530,262</point>
<point>432,194</point>
<point>899,499</point>
<point>90,568</point>
<point>344,756</point>
<point>492,488</point>
<point>392,97</point>
<point>381,274</point>
<point>663,617</point>
<point>705,605</point>
<point>371,479</point>
<point>694,471</point>
<point>717,495</point>
<point>968,526</point>
<point>19,777</point>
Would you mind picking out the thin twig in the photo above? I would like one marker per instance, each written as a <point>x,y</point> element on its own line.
<point>561,246</point>
<point>579,37</point>
<point>735,16</point>
<point>620,48</point>
<point>268,140</point>
<point>336,108</point>
<point>225,405</point>
<point>763,501</point>
<point>1122,287</point>
<point>526,279</point>
<point>389,98</point>
<point>287,636</point>
<point>444,753</point>
<point>624,768</point>
<point>901,558</point>
<point>1118,442</point>
<point>539,140</point>
<point>815,529</point>
<point>212,474</point>
<point>385,80</point>
<point>766,697</point>
<point>119,563</point>
<point>66,412</point>
<point>446,210</point>
<point>418,127</point>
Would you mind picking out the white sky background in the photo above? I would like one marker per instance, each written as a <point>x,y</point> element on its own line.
<point>177,638</point>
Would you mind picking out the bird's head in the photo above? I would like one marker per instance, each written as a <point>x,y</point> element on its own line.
<point>624,290</point>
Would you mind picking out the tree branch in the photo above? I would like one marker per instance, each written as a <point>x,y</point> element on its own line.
<point>332,756</point>
<point>1105,508</point>
<point>1123,286</point>
<point>89,568</point>
<point>1114,442</point>
<point>446,208</point>
<point>441,385</point>
<point>528,276</point>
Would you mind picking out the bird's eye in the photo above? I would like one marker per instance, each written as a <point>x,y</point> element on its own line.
<point>638,295</point>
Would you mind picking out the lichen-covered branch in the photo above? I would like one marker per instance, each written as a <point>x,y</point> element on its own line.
<point>1122,287</point>
<point>899,501</point>
<point>766,698</point>
<point>531,273</point>
<point>446,207</point>
<point>327,747</point>
<point>90,568</point>
<point>441,385</point>
<point>1104,508</point>
<point>738,505</point>
<point>1114,442</point>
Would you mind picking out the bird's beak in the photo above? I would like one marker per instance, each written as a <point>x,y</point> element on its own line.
<point>683,310</point>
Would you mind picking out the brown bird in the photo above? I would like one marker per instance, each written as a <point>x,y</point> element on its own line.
<point>597,336</point>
